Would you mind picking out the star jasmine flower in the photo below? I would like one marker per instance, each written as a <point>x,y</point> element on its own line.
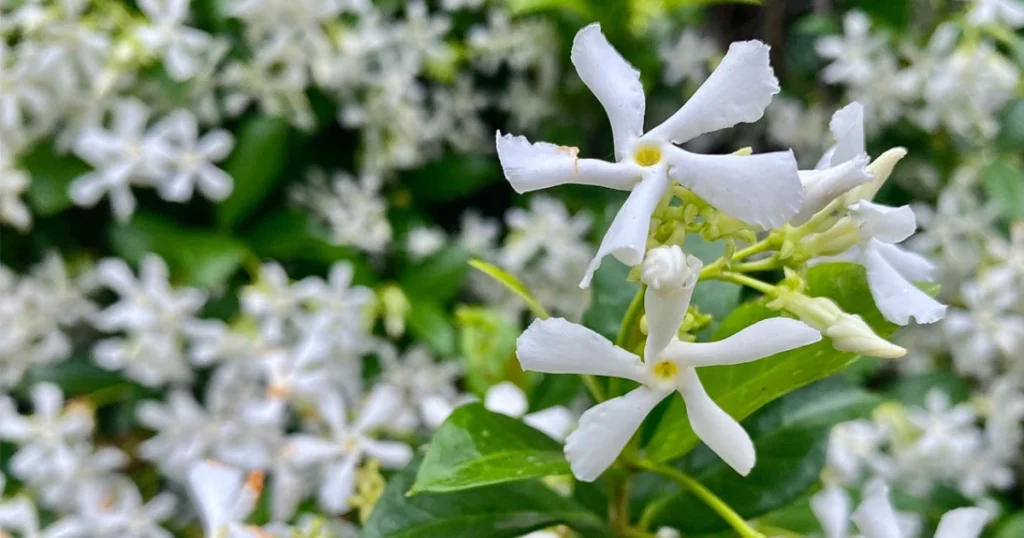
<point>891,270</point>
<point>763,190</point>
<point>876,518</point>
<point>842,168</point>
<point>557,346</point>
<point>191,159</point>
<point>224,497</point>
<point>180,46</point>
<point>346,444</point>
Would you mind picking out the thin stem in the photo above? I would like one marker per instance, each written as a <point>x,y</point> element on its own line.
<point>766,264</point>
<point>776,531</point>
<point>593,387</point>
<point>745,280</point>
<point>704,494</point>
<point>633,313</point>
<point>763,245</point>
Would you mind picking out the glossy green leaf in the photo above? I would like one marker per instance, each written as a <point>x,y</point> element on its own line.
<point>499,511</point>
<point>255,165</point>
<point>1004,185</point>
<point>744,388</point>
<point>52,175</point>
<point>429,323</point>
<point>476,447</point>
<point>439,277</point>
<point>454,176</point>
<point>197,257</point>
<point>580,8</point>
<point>791,436</point>
<point>487,341</point>
<point>513,284</point>
<point>1012,527</point>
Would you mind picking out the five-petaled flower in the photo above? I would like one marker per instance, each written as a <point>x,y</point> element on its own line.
<point>762,190</point>
<point>557,346</point>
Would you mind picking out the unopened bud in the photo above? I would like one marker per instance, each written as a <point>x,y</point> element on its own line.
<point>668,269</point>
<point>395,307</point>
<point>848,332</point>
<point>880,168</point>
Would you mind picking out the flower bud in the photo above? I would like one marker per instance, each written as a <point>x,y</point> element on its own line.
<point>848,332</point>
<point>880,168</point>
<point>395,308</point>
<point>668,268</point>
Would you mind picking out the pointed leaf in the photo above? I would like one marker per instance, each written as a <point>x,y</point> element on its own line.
<point>513,284</point>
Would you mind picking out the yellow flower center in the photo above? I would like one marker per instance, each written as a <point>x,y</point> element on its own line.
<point>647,155</point>
<point>665,370</point>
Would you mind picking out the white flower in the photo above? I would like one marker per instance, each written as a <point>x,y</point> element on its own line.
<point>423,382</point>
<point>224,497</point>
<point>123,156</point>
<point>842,168</point>
<point>154,317</point>
<point>1008,12</point>
<point>118,511</point>
<point>762,189</point>
<point>191,157</point>
<point>556,346</point>
<point>687,57</point>
<point>341,451</point>
<point>855,54</point>
<point>353,210</point>
<point>876,518</point>
<point>424,241</point>
<point>891,270</point>
<point>987,329</point>
<point>478,234</point>
<point>180,46</point>
<point>13,184</point>
<point>508,399</point>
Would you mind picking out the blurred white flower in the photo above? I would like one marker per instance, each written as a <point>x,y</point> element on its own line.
<point>686,57</point>
<point>508,399</point>
<point>1008,12</point>
<point>190,158</point>
<point>424,241</point>
<point>178,45</point>
<point>224,497</point>
<point>353,210</point>
<point>13,183</point>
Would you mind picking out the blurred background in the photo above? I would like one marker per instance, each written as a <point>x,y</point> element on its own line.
<point>213,213</point>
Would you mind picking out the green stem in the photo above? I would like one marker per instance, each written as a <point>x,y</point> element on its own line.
<point>633,313</point>
<point>704,494</point>
<point>766,264</point>
<point>593,387</point>
<point>745,280</point>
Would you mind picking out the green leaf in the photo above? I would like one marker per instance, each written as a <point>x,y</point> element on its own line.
<point>454,176</point>
<point>255,165</point>
<point>75,377</point>
<point>487,341</point>
<point>612,294</point>
<point>429,323</point>
<point>439,277</point>
<point>1011,134</point>
<point>579,8</point>
<point>513,284</point>
<point>499,511</point>
<point>476,447</point>
<point>1012,527</point>
<point>52,174</point>
<point>198,257</point>
<point>742,389</point>
<point>791,436</point>
<point>1004,185</point>
<point>913,390</point>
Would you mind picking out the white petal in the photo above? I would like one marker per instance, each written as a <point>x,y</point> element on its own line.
<point>897,298</point>
<point>762,189</point>
<point>823,186</point>
<point>738,91</point>
<point>435,410</point>
<point>539,165</point>
<point>665,310</point>
<point>626,238</point>
<point>831,506</point>
<point>178,188</point>
<point>214,183</point>
<point>379,408</point>
<point>338,486</point>
<point>556,346</point>
<point>305,450</point>
<point>847,127</point>
<point>719,431</point>
<point>391,454</point>
<point>333,410</point>
<point>911,265</point>
<point>762,339</point>
<point>216,145</point>
<point>506,398</point>
<point>614,82</point>
<point>214,486</point>
<point>962,523</point>
<point>122,202</point>
<point>606,428</point>
<point>87,190</point>
<point>875,517</point>
<point>287,491</point>
<point>887,224</point>
<point>555,421</point>
<point>47,400</point>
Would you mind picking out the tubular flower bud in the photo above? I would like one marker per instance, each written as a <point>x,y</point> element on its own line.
<point>848,332</point>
